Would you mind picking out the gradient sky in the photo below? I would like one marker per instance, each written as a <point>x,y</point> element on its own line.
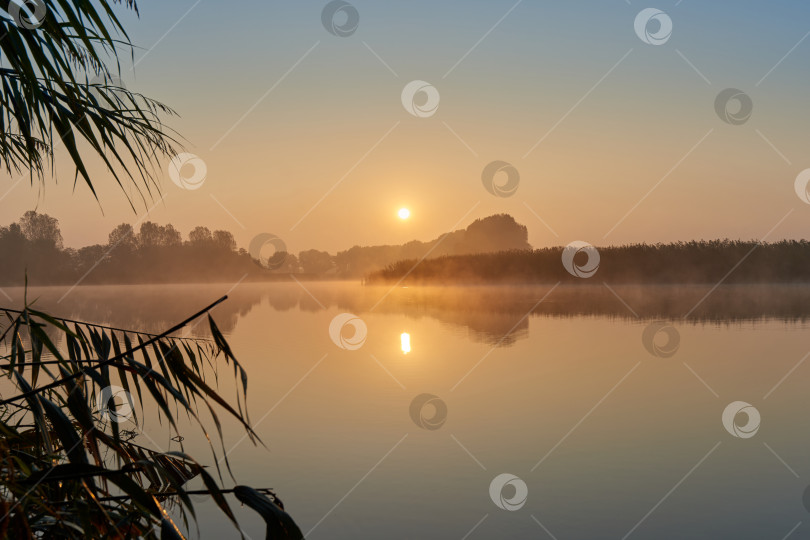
<point>616,118</point>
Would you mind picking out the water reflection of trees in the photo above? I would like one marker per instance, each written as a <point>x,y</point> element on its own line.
<point>146,308</point>
<point>488,313</point>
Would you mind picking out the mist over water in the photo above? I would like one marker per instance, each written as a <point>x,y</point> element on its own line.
<point>488,312</point>
<point>565,394</point>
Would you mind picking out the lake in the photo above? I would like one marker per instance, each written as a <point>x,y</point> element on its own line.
<point>503,412</point>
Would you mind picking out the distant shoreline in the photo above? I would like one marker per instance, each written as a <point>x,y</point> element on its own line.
<point>695,262</point>
<point>491,250</point>
<point>704,262</point>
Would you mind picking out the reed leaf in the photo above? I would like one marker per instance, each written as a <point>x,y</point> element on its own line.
<point>71,467</point>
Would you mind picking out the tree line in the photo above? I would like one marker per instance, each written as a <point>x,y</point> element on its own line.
<point>491,250</point>
<point>704,261</point>
<point>159,254</point>
<point>152,254</point>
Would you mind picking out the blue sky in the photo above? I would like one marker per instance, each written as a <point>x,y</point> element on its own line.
<point>304,134</point>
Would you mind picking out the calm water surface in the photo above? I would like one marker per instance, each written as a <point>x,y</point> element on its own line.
<point>610,440</point>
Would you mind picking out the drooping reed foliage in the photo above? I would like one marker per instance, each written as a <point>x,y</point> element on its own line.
<point>72,463</point>
<point>67,469</point>
<point>60,86</point>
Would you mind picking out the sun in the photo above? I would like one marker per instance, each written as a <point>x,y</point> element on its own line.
<point>404,213</point>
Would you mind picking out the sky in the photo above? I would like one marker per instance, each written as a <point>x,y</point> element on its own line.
<point>613,135</point>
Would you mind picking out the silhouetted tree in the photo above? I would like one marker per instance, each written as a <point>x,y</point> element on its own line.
<point>491,234</point>
<point>90,257</point>
<point>224,240</point>
<point>284,263</point>
<point>123,238</point>
<point>316,262</point>
<point>496,233</point>
<point>149,235</point>
<point>169,236</point>
<point>41,229</point>
<point>200,236</point>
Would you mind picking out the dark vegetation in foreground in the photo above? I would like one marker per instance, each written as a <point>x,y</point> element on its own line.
<point>729,261</point>
<point>72,462</point>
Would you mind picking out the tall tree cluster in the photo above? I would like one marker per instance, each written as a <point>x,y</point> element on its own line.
<point>152,254</point>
